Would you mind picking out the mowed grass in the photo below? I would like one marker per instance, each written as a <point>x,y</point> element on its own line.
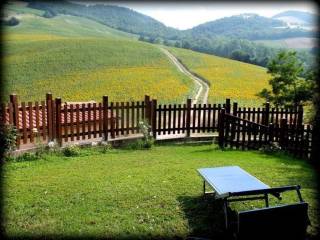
<point>80,60</point>
<point>229,79</point>
<point>137,193</point>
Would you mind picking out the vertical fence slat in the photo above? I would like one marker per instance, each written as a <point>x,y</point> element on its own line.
<point>138,116</point>
<point>78,121</point>
<point>159,119</point>
<point>132,117</point>
<point>164,119</point>
<point>169,119</point>
<point>112,123</point>
<point>24,123</point>
<point>174,118</point>
<point>37,118</point>
<point>94,120</point>
<point>44,120</point>
<point>58,121</point>
<point>122,117</point>
<point>65,124</point>
<point>208,127</point>
<point>128,117</point>
<point>105,102</point>
<point>10,109</point>
<point>199,118</point>
<point>179,117</point>
<point>101,119</point>
<point>83,116</point>
<point>49,119</point>
<point>71,122</point>
<point>89,120</point>
<point>30,118</point>
<point>194,116</point>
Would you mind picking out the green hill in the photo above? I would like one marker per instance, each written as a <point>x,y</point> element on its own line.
<point>228,78</point>
<point>79,59</point>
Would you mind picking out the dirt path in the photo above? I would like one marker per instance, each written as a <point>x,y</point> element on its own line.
<point>202,94</point>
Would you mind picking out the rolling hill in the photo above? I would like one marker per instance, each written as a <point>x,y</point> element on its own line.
<point>228,78</point>
<point>297,18</point>
<point>224,37</point>
<point>79,59</point>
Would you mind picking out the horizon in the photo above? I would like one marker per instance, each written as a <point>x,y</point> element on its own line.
<point>186,15</point>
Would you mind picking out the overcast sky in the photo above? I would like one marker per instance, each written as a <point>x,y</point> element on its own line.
<point>189,14</point>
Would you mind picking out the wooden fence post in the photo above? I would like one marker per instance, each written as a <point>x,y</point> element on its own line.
<point>235,109</point>
<point>154,118</point>
<point>14,101</point>
<point>58,121</point>
<point>221,127</point>
<point>15,107</point>
<point>266,114</point>
<point>228,106</point>
<point>188,120</point>
<point>3,114</point>
<point>300,115</point>
<point>270,132</point>
<point>105,101</point>
<point>49,116</point>
<point>147,110</point>
<point>283,127</point>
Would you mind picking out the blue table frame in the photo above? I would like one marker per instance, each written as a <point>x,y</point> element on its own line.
<point>232,183</point>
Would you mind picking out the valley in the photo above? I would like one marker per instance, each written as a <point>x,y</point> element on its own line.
<point>89,59</point>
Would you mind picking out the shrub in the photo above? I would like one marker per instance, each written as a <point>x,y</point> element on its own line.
<point>49,14</point>
<point>10,135</point>
<point>28,156</point>
<point>11,22</point>
<point>148,140</point>
<point>136,145</point>
<point>106,147</point>
<point>71,150</point>
<point>273,147</point>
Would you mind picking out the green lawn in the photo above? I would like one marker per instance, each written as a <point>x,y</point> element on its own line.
<point>136,193</point>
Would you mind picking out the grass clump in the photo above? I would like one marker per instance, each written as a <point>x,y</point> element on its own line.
<point>71,150</point>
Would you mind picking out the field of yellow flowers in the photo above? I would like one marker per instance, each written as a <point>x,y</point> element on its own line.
<point>228,78</point>
<point>80,60</point>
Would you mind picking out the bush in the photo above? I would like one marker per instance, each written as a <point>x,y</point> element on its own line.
<point>10,135</point>
<point>71,150</point>
<point>11,22</point>
<point>28,156</point>
<point>136,145</point>
<point>49,14</point>
<point>148,140</point>
<point>273,147</point>
<point>106,147</point>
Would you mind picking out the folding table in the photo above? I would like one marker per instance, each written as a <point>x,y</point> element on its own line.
<point>231,183</point>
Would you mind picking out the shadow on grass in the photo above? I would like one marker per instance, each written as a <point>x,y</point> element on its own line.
<point>205,217</point>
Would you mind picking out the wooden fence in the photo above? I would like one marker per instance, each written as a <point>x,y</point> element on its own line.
<point>236,132</point>
<point>67,122</point>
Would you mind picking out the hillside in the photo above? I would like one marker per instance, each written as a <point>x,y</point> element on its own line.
<point>247,26</point>
<point>113,16</point>
<point>79,59</point>
<point>229,79</point>
<point>297,17</point>
<point>230,37</point>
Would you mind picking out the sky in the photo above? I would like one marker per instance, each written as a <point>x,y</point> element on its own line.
<point>186,15</point>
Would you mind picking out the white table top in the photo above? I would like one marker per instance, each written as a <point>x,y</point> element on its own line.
<point>230,179</point>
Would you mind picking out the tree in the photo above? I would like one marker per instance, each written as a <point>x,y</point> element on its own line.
<point>11,22</point>
<point>49,14</point>
<point>287,87</point>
